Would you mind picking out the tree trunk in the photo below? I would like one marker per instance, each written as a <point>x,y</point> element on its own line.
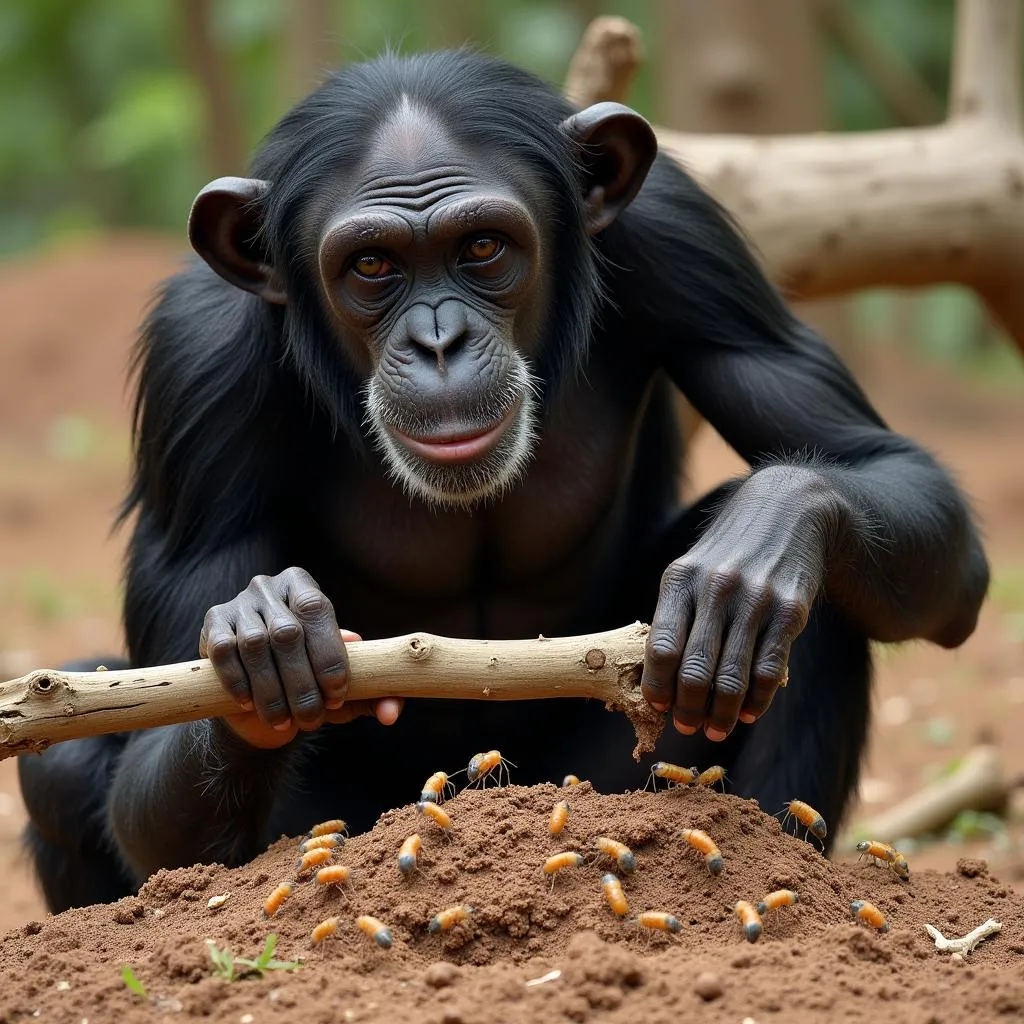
<point>224,138</point>
<point>309,47</point>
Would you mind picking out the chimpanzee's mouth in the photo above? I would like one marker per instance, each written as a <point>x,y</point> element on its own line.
<point>454,447</point>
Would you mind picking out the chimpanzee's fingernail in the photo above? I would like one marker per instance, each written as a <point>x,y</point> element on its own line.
<point>333,705</point>
<point>246,705</point>
<point>283,726</point>
<point>658,707</point>
<point>748,717</point>
<point>686,730</point>
<point>715,735</point>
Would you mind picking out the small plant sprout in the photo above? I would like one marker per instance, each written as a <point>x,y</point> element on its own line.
<point>132,983</point>
<point>231,968</point>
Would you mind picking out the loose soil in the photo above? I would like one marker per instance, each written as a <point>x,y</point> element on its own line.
<point>813,962</point>
<point>60,481</point>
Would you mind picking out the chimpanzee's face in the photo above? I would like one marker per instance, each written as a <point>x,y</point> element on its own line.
<point>432,265</point>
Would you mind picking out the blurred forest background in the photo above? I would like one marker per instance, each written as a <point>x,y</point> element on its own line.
<point>114,112</point>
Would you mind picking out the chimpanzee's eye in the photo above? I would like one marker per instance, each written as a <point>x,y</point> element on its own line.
<point>372,265</point>
<point>480,250</point>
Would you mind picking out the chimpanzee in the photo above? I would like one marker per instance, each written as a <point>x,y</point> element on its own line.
<point>428,357</point>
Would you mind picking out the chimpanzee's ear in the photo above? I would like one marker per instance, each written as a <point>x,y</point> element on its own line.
<point>223,227</point>
<point>619,148</point>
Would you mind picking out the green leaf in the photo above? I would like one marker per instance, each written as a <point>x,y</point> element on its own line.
<point>268,949</point>
<point>132,983</point>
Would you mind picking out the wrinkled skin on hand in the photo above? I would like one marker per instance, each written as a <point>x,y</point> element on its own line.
<point>278,651</point>
<point>730,608</point>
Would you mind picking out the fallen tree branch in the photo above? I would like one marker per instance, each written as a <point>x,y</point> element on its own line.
<point>978,785</point>
<point>48,706</point>
<point>835,213</point>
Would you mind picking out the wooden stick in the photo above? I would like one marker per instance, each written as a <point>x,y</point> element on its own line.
<point>48,706</point>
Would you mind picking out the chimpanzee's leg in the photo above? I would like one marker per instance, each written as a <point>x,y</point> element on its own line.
<point>809,743</point>
<point>65,791</point>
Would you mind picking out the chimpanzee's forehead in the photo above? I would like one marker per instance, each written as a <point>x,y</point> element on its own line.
<point>415,158</point>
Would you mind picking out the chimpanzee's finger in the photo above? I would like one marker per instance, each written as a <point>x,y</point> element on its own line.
<point>288,648</point>
<point>771,658</point>
<point>667,638</point>
<point>387,709</point>
<point>325,647</point>
<point>732,674</point>
<point>697,671</point>
<point>219,643</point>
<point>267,688</point>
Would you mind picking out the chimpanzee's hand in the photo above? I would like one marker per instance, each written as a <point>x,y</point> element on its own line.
<point>278,651</point>
<point>730,608</point>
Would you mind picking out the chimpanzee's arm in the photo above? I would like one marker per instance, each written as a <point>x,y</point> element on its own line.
<point>906,561</point>
<point>196,792</point>
<point>837,505</point>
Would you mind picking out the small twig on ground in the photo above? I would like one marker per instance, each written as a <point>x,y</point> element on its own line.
<point>968,942</point>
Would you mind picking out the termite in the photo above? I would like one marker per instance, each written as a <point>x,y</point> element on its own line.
<point>329,841</point>
<point>706,846</point>
<point>274,901</point>
<point>869,914</point>
<point>812,821</point>
<point>750,920</point>
<point>333,874</point>
<point>561,861</point>
<point>888,855</point>
<point>671,773</point>
<point>711,776</point>
<point>659,921</point>
<point>449,918</point>
<point>376,930</point>
<point>311,860</point>
<point>327,827</point>
<point>324,930</point>
<point>409,854</point>
<point>559,816</point>
<point>570,780</point>
<point>778,899</point>
<point>481,766</point>
<point>436,787</point>
<point>614,895</point>
<point>440,817</point>
<point>619,852</point>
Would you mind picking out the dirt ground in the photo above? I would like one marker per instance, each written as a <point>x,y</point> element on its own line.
<point>63,448</point>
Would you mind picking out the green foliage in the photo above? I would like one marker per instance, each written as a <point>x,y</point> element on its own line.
<point>232,968</point>
<point>132,983</point>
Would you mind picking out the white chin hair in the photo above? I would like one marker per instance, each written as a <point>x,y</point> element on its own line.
<point>462,486</point>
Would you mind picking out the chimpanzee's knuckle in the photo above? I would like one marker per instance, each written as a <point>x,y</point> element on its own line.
<point>679,576</point>
<point>286,634</point>
<point>311,604</point>
<point>275,710</point>
<point>697,671</point>
<point>769,670</point>
<point>723,583</point>
<point>333,677</point>
<point>791,615</point>
<point>254,643</point>
<point>663,650</point>
<point>730,681</point>
<point>307,705</point>
<point>221,647</point>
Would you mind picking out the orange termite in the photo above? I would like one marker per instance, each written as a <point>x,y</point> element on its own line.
<point>311,860</point>
<point>657,920</point>
<point>750,919</point>
<point>672,773</point>
<point>333,874</point>
<point>481,765</point>
<point>812,821</point>
<point>614,895</point>
<point>889,855</point>
<point>330,841</point>
<point>324,930</point>
<point>559,816</point>
<point>449,918</point>
<point>711,776</point>
<point>409,854</point>
<point>570,780</point>
<point>436,787</point>
<point>561,861</point>
<point>376,930</point>
<point>869,914</point>
<point>440,817</point>
<point>619,852</point>
<point>778,899</point>
<point>274,901</point>
<point>327,827</point>
<point>705,845</point>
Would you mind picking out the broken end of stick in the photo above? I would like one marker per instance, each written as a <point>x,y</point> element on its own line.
<point>647,723</point>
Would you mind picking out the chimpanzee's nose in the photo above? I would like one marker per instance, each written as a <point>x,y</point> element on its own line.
<point>437,331</point>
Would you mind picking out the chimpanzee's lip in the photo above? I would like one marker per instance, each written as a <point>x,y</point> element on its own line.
<point>457,446</point>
